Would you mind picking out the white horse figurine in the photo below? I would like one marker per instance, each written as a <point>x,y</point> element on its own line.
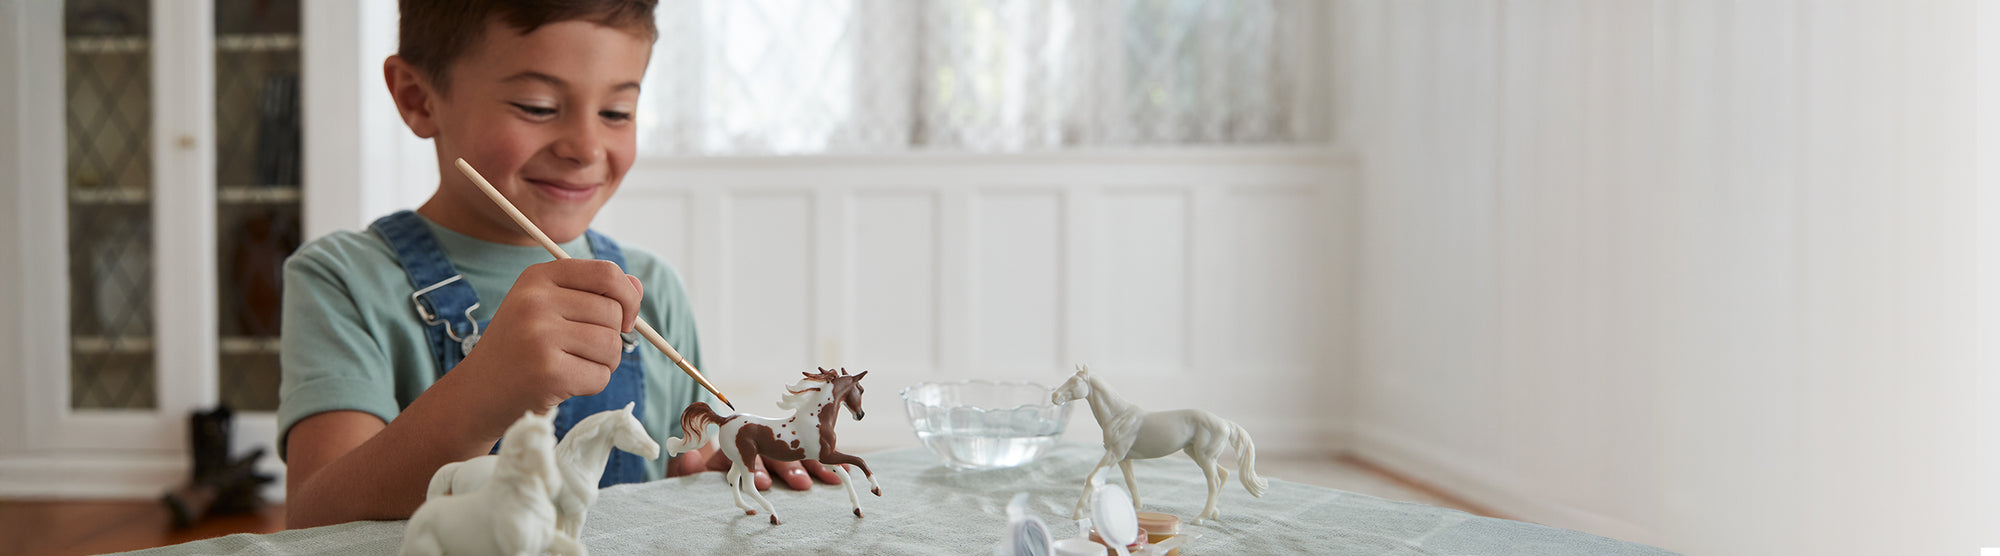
<point>581,455</point>
<point>1132,433</point>
<point>514,514</point>
<point>807,434</point>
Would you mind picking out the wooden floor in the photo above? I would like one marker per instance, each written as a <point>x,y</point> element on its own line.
<point>96,527</point>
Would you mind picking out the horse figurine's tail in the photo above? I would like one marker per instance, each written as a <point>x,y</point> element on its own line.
<point>1246,460</point>
<point>696,419</point>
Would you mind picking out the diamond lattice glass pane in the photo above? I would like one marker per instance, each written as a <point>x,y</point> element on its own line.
<point>108,131</point>
<point>258,181</point>
<point>735,77</point>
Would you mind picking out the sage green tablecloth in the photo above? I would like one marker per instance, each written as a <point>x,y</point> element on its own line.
<point>927,508</point>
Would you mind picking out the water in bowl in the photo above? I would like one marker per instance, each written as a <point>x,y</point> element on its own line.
<point>985,450</point>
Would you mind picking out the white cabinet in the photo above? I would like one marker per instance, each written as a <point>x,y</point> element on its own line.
<point>155,151</point>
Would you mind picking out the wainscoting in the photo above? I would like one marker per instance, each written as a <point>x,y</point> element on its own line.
<point>1198,278</point>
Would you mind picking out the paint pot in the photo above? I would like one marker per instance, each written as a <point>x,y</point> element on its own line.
<point>1105,547</point>
<point>1159,527</point>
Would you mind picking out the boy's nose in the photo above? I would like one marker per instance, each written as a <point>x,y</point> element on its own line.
<point>580,144</point>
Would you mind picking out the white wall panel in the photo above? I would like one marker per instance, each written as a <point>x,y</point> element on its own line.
<point>1143,267</point>
<point>1183,265</point>
<point>1017,266</point>
<point>895,299</point>
<point>1268,318</point>
<point>769,314</point>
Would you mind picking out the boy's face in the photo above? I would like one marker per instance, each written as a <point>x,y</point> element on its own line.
<point>547,118</point>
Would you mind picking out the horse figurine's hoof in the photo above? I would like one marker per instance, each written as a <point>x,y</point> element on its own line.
<point>876,490</point>
<point>749,512</point>
<point>774,519</point>
<point>857,512</point>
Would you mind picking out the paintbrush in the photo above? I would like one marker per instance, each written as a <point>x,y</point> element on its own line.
<point>644,329</point>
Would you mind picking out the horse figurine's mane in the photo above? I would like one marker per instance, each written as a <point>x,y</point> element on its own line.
<point>805,393</point>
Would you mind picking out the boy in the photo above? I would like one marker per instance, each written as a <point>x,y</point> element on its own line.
<point>391,366</point>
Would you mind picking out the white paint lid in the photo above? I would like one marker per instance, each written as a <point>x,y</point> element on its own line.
<point>1111,512</point>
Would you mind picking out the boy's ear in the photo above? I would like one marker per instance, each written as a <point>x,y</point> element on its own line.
<point>413,95</point>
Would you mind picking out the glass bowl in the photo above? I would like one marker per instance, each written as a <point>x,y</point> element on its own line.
<point>977,424</point>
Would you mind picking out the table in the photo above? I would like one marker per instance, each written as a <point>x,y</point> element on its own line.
<point>927,508</point>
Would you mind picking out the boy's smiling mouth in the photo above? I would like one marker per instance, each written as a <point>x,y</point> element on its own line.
<point>565,190</point>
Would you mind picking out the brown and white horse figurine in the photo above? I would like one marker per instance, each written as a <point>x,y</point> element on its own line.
<point>807,434</point>
<point>1133,433</point>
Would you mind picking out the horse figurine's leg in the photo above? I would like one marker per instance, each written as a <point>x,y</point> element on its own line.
<point>848,481</point>
<point>735,476</point>
<point>570,524</point>
<point>836,459</point>
<point>1214,475</point>
<point>1131,485</point>
<point>421,541</point>
<point>745,484</point>
<point>566,545</point>
<point>1109,458</point>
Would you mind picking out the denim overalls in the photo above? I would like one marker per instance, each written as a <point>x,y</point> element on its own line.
<point>444,303</point>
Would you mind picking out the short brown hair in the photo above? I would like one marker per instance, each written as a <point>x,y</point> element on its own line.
<point>435,33</point>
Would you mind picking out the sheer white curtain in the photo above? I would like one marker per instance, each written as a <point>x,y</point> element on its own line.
<point>773,76</point>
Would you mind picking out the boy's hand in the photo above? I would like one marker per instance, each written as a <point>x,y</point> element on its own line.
<point>798,475</point>
<point>557,334</point>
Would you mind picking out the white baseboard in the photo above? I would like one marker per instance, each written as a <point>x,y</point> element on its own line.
<point>90,477</point>
<point>97,475</point>
<point>1438,467</point>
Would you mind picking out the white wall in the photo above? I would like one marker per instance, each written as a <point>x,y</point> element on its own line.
<point>1691,273</point>
<point>1189,278</point>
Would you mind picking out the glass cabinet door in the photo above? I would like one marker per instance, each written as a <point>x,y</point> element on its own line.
<point>108,121</point>
<point>258,212</point>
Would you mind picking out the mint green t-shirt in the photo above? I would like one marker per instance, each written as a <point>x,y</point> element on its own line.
<point>352,341</point>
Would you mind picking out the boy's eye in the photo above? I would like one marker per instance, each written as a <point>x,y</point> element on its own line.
<point>532,110</point>
<point>615,115</point>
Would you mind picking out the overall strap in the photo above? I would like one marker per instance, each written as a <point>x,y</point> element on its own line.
<point>443,300</point>
<point>627,385</point>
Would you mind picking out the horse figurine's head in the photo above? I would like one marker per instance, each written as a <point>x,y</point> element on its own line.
<point>836,385</point>
<point>1077,388</point>
<point>622,428</point>
<point>529,450</point>
<point>847,388</point>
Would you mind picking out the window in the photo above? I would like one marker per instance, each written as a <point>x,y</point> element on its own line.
<point>781,77</point>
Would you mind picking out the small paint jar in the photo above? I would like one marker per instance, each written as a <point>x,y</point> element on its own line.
<point>1137,543</point>
<point>1159,526</point>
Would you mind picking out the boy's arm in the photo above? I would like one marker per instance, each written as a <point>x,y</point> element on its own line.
<point>556,336</point>
<point>349,465</point>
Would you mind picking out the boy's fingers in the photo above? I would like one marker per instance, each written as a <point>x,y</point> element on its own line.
<point>793,474</point>
<point>599,277</point>
<point>587,308</point>
<point>594,353</point>
<point>823,473</point>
